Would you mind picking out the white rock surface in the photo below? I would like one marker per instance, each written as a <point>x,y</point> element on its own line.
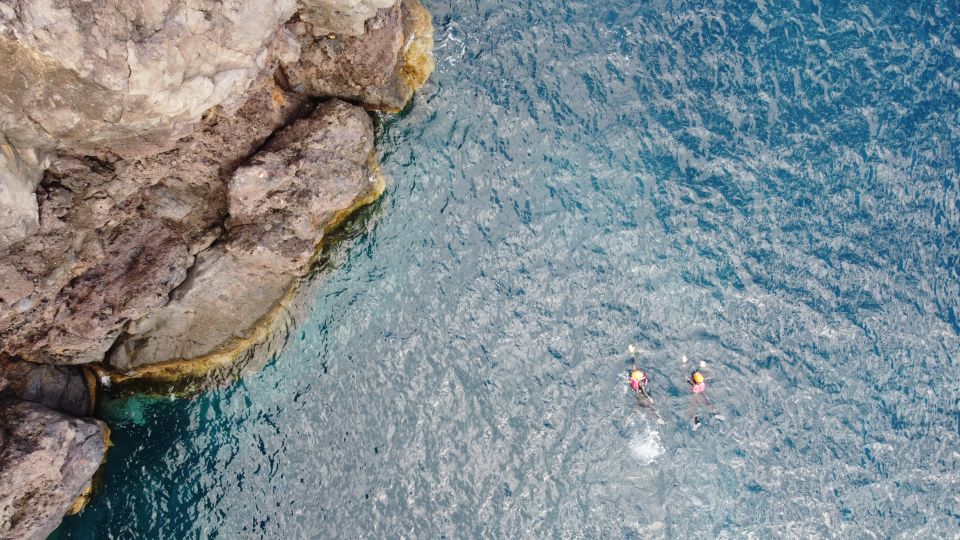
<point>20,172</point>
<point>341,16</point>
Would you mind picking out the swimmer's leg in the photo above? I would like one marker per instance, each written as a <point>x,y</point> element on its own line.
<point>693,413</point>
<point>713,409</point>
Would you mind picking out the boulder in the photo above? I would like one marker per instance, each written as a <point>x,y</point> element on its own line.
<point>131,197</point>
<point>46,461</point>
<point>280,205</point>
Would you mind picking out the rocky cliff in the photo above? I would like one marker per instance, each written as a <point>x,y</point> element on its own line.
<point>168,170</point>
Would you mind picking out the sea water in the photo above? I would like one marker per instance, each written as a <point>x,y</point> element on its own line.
<point>769,187</point>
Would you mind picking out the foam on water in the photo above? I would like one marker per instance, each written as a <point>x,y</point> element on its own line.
<point>646,446</point>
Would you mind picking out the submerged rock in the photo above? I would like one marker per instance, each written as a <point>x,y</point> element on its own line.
<point>47,461</point>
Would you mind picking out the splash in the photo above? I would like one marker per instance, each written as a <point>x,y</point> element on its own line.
<point>646,446</point>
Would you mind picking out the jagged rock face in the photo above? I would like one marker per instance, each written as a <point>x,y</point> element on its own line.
<point>164,183</point>
<point>121,240</point>
<point>119,74</point>
<point>116,237</point>
<point>48,459</point>
<point>280,204</point>
<point>127,79</point>
<point>118,77</point>
<point>380,68</point>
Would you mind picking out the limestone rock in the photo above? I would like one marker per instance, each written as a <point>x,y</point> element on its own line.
<point>20,171</point>
<point>280,205</point>
<point>381,68</point>
<point>46,462</point>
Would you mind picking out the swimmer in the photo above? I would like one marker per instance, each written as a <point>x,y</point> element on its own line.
<point>638,383</point>
<point>698,386</point>
<point>638,379</point>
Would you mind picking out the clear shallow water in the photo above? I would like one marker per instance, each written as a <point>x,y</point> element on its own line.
<point>773,190</point>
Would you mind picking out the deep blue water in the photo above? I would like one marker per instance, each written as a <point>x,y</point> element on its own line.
<point>770,188</point>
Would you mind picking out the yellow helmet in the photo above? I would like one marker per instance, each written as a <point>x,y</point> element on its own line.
<point>697,377</point>
<point>636,375</point>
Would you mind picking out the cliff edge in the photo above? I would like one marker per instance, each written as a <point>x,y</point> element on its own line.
<point>168,172</point>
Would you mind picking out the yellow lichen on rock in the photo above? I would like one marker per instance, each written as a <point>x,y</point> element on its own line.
<point>90,380</point>
<point>81,502</point>
<point>418,62</point>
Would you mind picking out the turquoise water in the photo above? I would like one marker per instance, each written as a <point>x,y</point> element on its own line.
<point>771,189</point>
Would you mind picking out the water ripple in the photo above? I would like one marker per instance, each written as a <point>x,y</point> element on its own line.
<point>771,188</point>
